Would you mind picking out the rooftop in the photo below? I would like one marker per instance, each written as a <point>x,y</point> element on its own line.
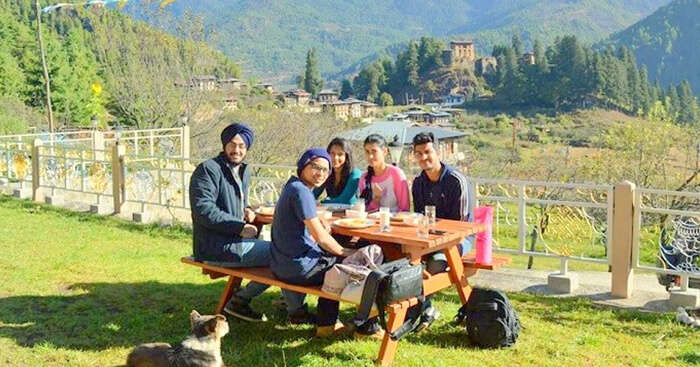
<point>389,129</point>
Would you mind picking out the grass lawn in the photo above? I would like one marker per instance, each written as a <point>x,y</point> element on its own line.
<point>80,290</point>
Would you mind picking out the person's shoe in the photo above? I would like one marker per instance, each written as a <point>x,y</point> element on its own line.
<point>280,303</point>
<point>302,316</point>
<point>242,310</point>
<point>370,330</point>
<point>429,316</point>
<point>331,330</point>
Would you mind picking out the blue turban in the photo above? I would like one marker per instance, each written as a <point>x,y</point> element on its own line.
<point>238,128</point>
<point>309,156</point>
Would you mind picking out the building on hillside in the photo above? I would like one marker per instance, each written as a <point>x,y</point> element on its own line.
<point>397,117</point>
<point>296,97</point>
<point>404,131</point>
<point>327,95</point>
<point>230,104</point>
<point>369,109</point>
<point>528,59</point>
<point>355,107</point>
<point>453,100</point>
<point>461,53</point>
<point>265,86</point>
<point>438,118</point>
<point>204,82</point>
<point>313,107</point>
<point>417,115</point>
<point>350,108</point>
<point>486,66</point>
<point>230,84</point>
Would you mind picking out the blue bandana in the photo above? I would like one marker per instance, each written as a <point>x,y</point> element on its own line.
<point>309,156</point>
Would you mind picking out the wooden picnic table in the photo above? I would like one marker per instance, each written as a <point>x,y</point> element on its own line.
<point>402,240</point>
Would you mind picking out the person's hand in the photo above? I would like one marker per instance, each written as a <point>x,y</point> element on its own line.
<point>249,231</point>
<point>377,191</point>
<point>326,225</point>
<point>249,215</point>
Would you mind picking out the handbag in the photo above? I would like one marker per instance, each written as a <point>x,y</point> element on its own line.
<point>392,282</point>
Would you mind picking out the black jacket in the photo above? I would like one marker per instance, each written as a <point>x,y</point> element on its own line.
<point>217,202</point>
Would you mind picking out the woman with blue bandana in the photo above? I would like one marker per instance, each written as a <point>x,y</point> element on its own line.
<point>302,248</point>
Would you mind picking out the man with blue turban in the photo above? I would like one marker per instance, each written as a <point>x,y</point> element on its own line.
<point>222,229</point>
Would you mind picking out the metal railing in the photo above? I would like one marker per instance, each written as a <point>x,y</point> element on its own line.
<point>71,169</point>
<point>15,163</point>
<point>549,219</point>
<point>666,235</point>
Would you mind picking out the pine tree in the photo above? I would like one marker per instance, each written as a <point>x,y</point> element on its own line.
<point>688,108</point>
<point>12,79</point>
<point>312,77</point>
<point>412,67</point>
<point>672,103</point>
<point>346,89</point>
<point>541,61</point>
<point>517,45</point>
<point>645,90</point>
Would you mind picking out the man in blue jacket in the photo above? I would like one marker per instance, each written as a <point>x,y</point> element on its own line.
<point>444,187</point>
<point>221,219</point>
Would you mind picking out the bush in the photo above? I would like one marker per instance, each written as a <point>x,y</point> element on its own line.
<point>16,117</point>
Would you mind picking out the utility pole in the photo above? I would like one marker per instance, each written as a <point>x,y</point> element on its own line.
<point>47,81</point>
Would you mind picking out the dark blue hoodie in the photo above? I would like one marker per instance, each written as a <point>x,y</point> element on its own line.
<point>452,195</point>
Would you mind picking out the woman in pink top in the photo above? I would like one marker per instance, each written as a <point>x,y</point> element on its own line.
<point>383,185</point>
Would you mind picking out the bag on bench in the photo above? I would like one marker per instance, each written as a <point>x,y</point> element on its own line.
<point>391,282</point>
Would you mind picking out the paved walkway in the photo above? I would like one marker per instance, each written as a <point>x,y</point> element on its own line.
<point>648,294</point>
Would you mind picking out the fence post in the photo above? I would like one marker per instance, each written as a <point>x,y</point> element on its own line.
<point>35,169</point>
<point>185,142</point>
<point>118,152</point>
<point>622,238</point>
<point>98,145</point>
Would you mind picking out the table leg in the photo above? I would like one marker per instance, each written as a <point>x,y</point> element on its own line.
<point>456,272</point>
<point>387,351</point>
<point>231,286</point>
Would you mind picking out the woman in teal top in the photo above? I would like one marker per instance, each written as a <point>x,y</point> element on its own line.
<point>341,185</point>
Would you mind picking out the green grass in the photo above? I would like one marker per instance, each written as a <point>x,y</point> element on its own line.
<point>80,290</point>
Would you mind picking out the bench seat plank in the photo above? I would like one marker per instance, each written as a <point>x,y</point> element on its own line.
<point>469,261</point>
<point>265,276</point>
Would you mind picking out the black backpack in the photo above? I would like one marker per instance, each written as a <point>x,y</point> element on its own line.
<point>490,319</point>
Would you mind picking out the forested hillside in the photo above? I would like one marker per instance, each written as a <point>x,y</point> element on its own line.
<point>101,63</point>
<point>565,75</point>
<point>271,38</point>
<point>667,43</point>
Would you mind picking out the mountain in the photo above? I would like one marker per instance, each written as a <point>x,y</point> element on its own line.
<point>667,43</point>
<point>270,38</point>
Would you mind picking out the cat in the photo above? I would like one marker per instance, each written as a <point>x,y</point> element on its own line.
<point>202,348</point>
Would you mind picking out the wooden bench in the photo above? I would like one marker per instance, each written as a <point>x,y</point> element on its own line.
<point>396,311</point>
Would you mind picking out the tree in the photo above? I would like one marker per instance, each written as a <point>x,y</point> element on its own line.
<point>312,77</point>
<point>541,62</point>
<point>346,89</point>
<point>688,109</point>
<point>386,100</point>
<point>517,45</point>
<point>12,79</point>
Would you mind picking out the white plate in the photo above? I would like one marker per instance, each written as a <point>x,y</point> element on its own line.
<point>265,210</point>
<point>355,223</point>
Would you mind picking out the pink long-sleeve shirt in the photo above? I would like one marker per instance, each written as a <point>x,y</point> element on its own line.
<point>395,190</point>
